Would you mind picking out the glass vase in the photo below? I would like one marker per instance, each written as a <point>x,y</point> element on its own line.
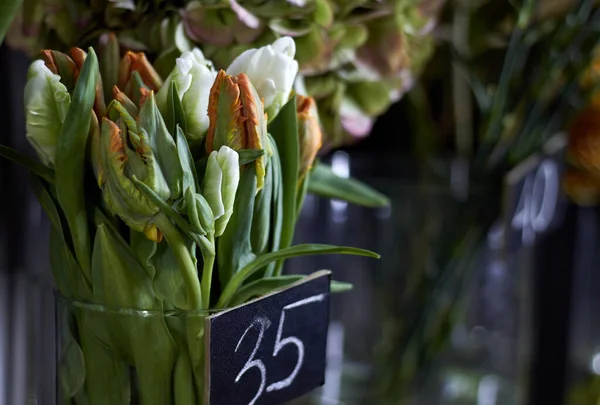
<point>120,356</point>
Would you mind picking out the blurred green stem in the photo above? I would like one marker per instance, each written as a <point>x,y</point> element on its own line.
<point>184,259</point>
<point>463,109</point>
<point>207,270</point>
<point>8,10</point>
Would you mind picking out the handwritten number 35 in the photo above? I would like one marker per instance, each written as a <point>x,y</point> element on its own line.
<point>261,324</point>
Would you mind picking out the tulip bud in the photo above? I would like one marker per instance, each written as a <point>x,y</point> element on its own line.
<point>125,101</point>
<point>151,122</point>
<point>62,65</point>
<point>272,70</point>
<point>94,147</point>
<point>137,62</point>
<point>46,104</point>
<point>136,149</point>
<point>109,61</point>
<point>199,212</point>
<point>310,137</point>
<point>237,118</point>
<point>79,56</point>
<point>193,76</point>
<point>118,163</point>
<point>220,185</point>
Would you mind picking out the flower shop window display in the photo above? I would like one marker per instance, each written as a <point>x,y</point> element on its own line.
<point>171,202</point>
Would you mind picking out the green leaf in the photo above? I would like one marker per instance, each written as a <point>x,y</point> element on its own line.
<point>63,265</point>
<point>186,259</point>
<point>263,286</point>
<point>168,210</point>
<point>301,194</point>
<point>100,218</point>
<point>183,378</point>
<point>190,178</point>
<point>269,285</point>
<point>277,205</point>
<point>163,145</point>
<point>136,83</point>
<point>174,116</point>
<point>109,63</point>
<point>295,251</point>
<point>121,282</point>
<point>482,95</point>
<point>249,155</point>
<point>8,10</point>
<point>47,203</point>
<point>65,270</point>
<point>144,250</point>
<point>70,157</point>
<point>28,163</point>
<point>284,129</point>
<point>71,362</point>
<point>169,283</point>
<point>166,60</point>
<point>261,222</point>
<point>107,381</point>
<point>234,249</point>
<point>339,286</point>
<point>325,183</point>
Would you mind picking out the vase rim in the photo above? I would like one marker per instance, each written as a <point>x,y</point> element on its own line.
<point>138,312</point>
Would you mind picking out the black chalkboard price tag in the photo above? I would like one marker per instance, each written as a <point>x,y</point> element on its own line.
<point>270,350</point>
<point>534,202</point>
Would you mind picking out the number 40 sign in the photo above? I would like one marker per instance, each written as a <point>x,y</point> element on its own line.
<point>270,350</point>
<point>534,195</point>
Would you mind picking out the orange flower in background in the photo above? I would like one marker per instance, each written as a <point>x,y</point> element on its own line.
<point>310,136</point>
<point>582,187</point>
<point>582,180</point>
<point>584,141</point>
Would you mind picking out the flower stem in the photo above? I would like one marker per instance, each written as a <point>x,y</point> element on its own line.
<point>207,270</point>
<point>184,259</point>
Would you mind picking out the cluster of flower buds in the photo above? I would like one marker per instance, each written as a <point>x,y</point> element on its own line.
<point>354,57</point>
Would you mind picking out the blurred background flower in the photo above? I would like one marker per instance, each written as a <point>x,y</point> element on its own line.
<point>355,57</point>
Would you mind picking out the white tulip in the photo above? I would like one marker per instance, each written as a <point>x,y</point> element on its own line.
<point>46,104</point>
<point>220,185</point>
<point>193,76</point>
<point>272,70</point>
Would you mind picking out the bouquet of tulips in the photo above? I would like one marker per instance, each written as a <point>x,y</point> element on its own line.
<point>175,195</point>
<point>356,57</point>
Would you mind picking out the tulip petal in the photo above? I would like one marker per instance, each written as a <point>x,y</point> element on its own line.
<point>211,189</point>
<point>119,192</point>
<point>272,70</point>
<point>46,104</point>
<point>193,77</point>
<point>228,160</point>
<point>162,145</point>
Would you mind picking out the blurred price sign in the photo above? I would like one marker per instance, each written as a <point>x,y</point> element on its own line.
<point>270,350</point>
<point>534,202</point>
